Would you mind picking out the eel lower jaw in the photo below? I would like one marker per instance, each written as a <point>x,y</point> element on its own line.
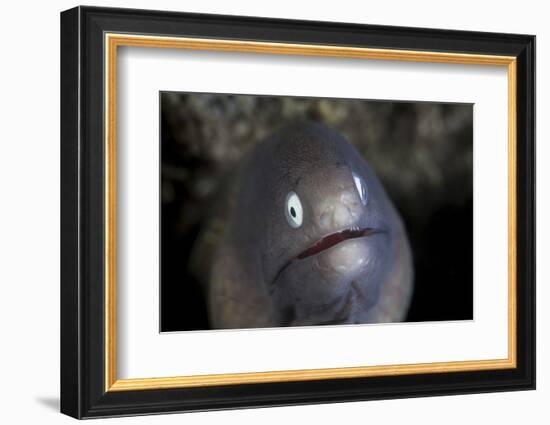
<point>333,239</point>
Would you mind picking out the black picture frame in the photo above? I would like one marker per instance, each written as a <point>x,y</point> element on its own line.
<point>83,393</point>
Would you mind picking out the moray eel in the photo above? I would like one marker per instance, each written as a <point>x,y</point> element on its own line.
<point>305,236</point>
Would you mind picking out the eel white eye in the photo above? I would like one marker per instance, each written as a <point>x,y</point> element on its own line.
<point>361,188</point>
<point>293,210</point>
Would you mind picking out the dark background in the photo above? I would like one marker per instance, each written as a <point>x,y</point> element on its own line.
<point>422,152</point>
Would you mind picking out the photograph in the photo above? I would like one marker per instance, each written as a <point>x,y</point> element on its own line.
<point>283,211</point>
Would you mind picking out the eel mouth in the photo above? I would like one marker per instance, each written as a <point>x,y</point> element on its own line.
<point>335,238</point>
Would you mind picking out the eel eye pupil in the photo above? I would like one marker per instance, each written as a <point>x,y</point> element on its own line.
<point>293,212</point>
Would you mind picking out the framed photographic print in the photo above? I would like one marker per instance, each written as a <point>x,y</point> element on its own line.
<point>262,212</point>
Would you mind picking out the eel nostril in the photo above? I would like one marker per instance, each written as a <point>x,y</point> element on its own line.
<point>341,215</point>
<point>343,210</point>
<point>348,198</point>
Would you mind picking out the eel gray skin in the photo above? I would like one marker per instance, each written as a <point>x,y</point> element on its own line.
<point>347,262</point>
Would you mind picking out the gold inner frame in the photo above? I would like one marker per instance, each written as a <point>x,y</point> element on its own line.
<point>113,41</point>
